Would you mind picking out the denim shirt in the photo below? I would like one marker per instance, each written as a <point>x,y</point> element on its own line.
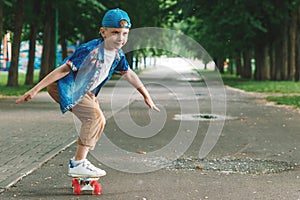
<point>86,64</point>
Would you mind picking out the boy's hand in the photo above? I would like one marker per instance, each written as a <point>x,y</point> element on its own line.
<point>26,97</point>
<point>151,105</point>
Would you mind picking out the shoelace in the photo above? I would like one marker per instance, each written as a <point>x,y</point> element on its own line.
<point>89,165</point>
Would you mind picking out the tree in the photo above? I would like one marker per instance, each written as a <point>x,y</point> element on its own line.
<point>1,23</point>
<point>214,25</point>
<point>263,30</point>
<point>78,21</point>
<point>18,23</point>
<point>292,44</point>
<point>34,26</point>
<point>47,40</point>
<point>297,59</point>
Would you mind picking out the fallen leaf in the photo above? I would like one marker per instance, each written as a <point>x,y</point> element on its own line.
<point>141,152</point>
<point>198,167</point>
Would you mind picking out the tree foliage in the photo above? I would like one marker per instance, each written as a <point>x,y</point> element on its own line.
<point>238,29</point>
<point>260,38</point>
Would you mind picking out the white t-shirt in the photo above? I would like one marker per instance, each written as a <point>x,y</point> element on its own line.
<point>109,57</point>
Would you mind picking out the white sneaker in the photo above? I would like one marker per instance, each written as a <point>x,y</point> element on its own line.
<point>85,168</point>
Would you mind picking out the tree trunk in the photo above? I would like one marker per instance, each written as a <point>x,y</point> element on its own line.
<point>297,70</point>
<point>32,43</point>
<point>278,59</point>
<point>145,61</point>
<point>18,23</point>
<point>64,49</point>
<point>297,60</point>
<point>268,62</point>
<point>230,67</point>
<point>272,61</point>
<point>247,72</point>
<point>46,42</point>
<point>219,64</point>
<point>1,23</point>
<point>129,54</point>
<point>292,45</point>
<point>129,58</point>
<point>52,53</point>
<point>137,60</point>
<point>260,62</point>
<point>285,42</point>
<point>238,63</point>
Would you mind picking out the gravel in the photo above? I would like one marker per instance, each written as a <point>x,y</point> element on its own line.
<point>225,165</point>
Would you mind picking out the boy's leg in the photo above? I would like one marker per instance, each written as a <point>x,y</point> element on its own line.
<point>92,118</point>
<point>81,152</point>
<point>93,122</point>
<point>53,91</point>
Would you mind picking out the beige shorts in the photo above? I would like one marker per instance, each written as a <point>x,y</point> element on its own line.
<point>89,113</point>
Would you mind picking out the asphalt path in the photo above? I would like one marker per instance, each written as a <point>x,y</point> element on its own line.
<point>37,142</point>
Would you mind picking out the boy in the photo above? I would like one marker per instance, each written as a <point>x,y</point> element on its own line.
<point>76,83</point>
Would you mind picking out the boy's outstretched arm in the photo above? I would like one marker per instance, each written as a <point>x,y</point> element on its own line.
<point>134,80</point>
<point>55,75</point>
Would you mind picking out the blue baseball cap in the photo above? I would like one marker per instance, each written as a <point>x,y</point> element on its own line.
<point>113,17</point>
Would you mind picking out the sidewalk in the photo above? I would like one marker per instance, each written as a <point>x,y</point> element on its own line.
<point>30,133</point>
<point>258,132</point>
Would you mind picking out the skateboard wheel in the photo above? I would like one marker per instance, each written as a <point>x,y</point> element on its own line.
<point>76,189</point>
<point>74,182</point>
<point>100,189</point>
<point>97,189</point>
<point>76,186</point>
<point>93,182</point>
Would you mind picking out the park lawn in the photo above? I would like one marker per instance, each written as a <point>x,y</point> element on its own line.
<point>286,100</point>
<point>15,91</point>
<point>21,89</point>
<point>289,91</point>
<point>280,92</point>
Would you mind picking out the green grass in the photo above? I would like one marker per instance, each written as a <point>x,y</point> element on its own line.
<point>282,87</point>
<point>21,89</point>
<point>280,92</point>
<point>286,100</point>
<point>15,91</point>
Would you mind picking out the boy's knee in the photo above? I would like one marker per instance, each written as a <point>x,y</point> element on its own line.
<point>100,118</point>
<point>101,122</point>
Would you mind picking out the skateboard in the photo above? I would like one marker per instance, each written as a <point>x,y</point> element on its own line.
<point>86,185</point>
